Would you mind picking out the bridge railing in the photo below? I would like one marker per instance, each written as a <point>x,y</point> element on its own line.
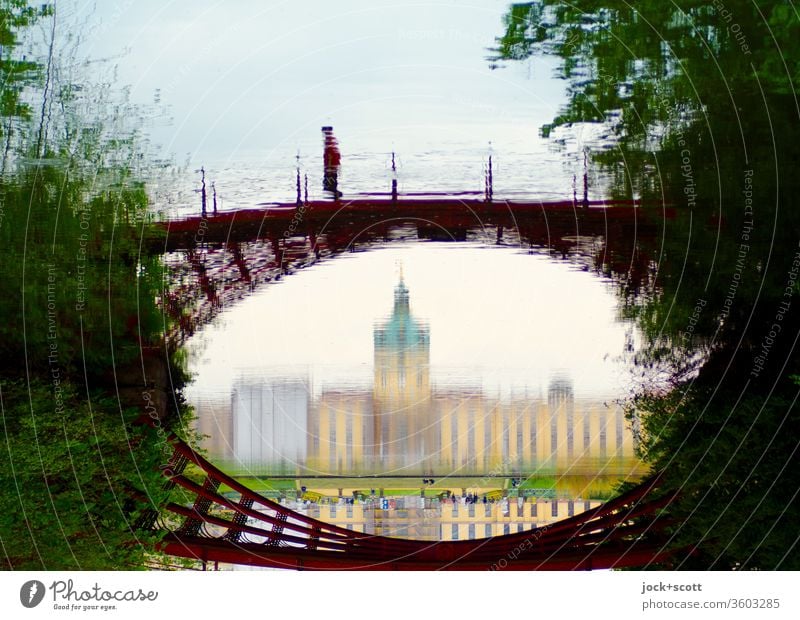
<point>239,525</point>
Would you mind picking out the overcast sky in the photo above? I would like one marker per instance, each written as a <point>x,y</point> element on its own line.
<point>245,75</point>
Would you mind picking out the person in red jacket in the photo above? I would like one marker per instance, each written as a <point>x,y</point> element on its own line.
<point>332,159</point>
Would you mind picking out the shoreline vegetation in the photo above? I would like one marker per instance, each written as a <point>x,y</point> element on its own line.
<point>80,346</point>
<point>701,100</point>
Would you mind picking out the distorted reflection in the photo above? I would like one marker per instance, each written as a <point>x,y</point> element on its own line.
<point>410,456</point>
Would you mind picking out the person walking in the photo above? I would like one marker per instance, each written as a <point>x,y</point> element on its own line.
<point>331,160</point>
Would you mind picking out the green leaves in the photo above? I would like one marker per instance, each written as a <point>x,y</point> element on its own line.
<point>700,99</point>
<point>16,73</point>
<point>731,460</point>
<point>66,481</point>
<point>694,51</point>
<point>79,301</point>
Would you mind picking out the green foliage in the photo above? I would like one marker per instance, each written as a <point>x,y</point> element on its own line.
<point>633,59</point>
<point>699,97</point>
<point>79,296</point>
<point>74,211</point>
<point>75,477</point>
<point>74,275</point>
<point>16,73</point>
<point>732,461</point>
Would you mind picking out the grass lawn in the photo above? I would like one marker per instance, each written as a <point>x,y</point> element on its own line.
<point>400,492</point>
<point>400,486</point>
<point>544,482</point>
<point>578,486</point>
<point>265,484</point>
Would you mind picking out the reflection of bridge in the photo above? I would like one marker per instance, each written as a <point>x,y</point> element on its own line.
<point>242,527</point>
<point>219,258</point>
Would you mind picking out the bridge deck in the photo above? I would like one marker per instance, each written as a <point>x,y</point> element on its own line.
<point>275,219</point>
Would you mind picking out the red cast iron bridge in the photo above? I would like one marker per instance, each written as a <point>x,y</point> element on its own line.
<point>246,528</point>
<point>218,259</point>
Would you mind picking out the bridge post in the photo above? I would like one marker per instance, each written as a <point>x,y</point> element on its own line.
<point>277,529</point>
<point>488,180</point>
<point>574,190</point>
<point>299,201</point>
<point>394,180</point>
<point>240,518</point>
<point>191,527</point>
<point>203,190</point>
<point>313,540</point>
<point>585,179</point>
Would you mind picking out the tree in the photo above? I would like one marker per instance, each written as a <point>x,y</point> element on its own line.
<point>16,72</point>
<point>82,302</point>
<point>700,99</point>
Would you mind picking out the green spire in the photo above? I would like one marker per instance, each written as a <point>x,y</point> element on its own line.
<point>401,330</point>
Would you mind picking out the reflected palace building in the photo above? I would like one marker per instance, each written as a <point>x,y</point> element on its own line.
<point>407,425</point>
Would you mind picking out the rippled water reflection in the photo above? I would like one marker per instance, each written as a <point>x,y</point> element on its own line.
<point>488,370</point>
